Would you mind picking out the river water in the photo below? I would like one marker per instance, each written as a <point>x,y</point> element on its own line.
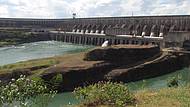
<point>43,49</point>
<point>37,50</point>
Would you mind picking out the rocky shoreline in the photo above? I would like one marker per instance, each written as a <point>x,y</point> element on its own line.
<point>124,63</point>
<point>128,64</point>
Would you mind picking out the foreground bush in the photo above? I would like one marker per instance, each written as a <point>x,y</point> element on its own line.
<point>24,92</point>
<point>105,93</point>
<point>173,82</point>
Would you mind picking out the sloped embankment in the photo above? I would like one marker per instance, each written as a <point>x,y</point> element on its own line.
<point>116,63</point>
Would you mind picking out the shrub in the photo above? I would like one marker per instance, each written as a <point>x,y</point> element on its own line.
<point>105,93</point>
<point>24,92</point>
<point>173,82</point>
<point>55,82</point>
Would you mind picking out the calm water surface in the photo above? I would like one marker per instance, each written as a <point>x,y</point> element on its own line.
<point>43,49</point>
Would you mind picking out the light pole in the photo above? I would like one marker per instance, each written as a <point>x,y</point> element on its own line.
<point>74,15</point>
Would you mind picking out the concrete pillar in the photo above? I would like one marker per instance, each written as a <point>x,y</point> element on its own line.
<point>80,39</point>
<point>63,37</point>
<point>120,41</point>
<point>91,40</point>
<point>60,38</point>
<point>74,39</point>
<point>112,41</point>
<point>99,41</point>
<point>123,41</point>
<point>70,37</point>
<point>96,41</point>
<point>56,37</point>
<point>142,43</point>
<point>77,40</point>
<point>66,38</point>
<point>115,41</point>
<point>130,42</point>
<point>85,40</point>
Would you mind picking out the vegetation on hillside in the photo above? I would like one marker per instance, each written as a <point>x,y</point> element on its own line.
<point>14,37</point>
<point>107,94</point>
<point>24,92</point>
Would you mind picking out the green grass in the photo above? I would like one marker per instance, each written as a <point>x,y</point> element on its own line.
<point>36,65</point>
<point>166,97</point>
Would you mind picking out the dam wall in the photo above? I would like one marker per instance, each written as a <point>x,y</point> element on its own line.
<point>98,40</point>
<point>95,30</point>
<point>140,25</point>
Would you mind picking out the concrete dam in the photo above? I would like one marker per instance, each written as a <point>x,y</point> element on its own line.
<point>164,31</point>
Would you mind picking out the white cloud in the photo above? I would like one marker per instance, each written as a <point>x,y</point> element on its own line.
<point>129,6</point>
<point>4,11</point>
<point>89,8</point>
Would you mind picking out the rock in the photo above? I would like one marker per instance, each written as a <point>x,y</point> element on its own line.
<point>122,53</point>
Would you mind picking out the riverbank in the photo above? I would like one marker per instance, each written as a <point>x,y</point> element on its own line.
<point>73,71</point>
<point>33,68</point>
<point>15,37</point>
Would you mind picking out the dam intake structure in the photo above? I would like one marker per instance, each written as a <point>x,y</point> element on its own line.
<point>164,31</point>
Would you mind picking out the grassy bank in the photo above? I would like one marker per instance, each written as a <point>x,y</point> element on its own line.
<point>38,66</point>
<point>166,97</point>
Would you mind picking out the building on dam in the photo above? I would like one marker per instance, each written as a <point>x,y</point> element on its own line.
<point>165,31</point>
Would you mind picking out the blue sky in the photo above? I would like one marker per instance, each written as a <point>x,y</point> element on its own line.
<point>91,8</point>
